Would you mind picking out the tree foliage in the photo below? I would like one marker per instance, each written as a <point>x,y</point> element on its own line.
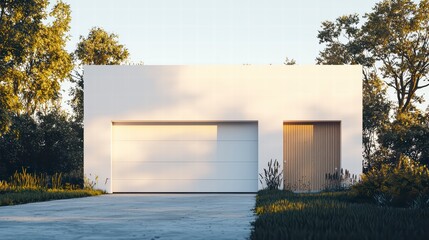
<point>394,40</point>
<point>101,48</point>
<point>343,45</point>
<point>392,46</point>
<point>375,114</point>
<point>407,135</point>
<point>47,144</point>
<point>33,60</point>
<point>396,35</point>
<point>34,132</point>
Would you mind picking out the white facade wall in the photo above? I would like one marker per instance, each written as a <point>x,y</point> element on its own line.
<point>266,94</point>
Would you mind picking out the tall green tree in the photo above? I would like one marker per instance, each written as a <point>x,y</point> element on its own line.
<point>375,113</point>
<point>61,147</point>
<point>101,48</point>
<point>392,45</point>
<point>44,143</point>
<point>98,48</point>
<point>342,42</point>
<point>396,35</point>
<point>33,59</point>
<point>408,135</point>
<point>20,146</point>
<point>394,41</point>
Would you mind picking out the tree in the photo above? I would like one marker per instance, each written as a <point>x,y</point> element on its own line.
<point>61,146</point>
<point>342,40</point>
<point>98,48</point>
<point>397,37</point>
<point>33,63</point>
<point>394,40</point>
<point>375,114</point>
<point>392,45</point>
<point>20,146</point>
<point>44,143</point>
<point>407,135</point>
<point>33,60</point>
<point>101,48</point>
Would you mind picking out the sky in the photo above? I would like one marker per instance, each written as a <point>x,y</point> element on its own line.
<point>169,32</point>
<point>180,32</point>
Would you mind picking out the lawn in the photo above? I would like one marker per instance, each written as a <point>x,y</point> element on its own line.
<point>28,196</point>
<point>24,187</point>
<point>285,215</point>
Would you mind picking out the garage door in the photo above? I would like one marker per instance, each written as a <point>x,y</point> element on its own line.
<point>185,157</point>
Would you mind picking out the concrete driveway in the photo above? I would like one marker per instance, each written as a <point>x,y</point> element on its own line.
<point>140,216</point>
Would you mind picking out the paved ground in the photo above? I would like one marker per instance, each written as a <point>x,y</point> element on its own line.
<point>210,216</point>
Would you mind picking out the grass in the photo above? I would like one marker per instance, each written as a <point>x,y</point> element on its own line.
<point>24,187</point>
<point>28,196</point>
<point>285,215</point>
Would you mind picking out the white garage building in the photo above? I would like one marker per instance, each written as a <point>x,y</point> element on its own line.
<point>213,128</point>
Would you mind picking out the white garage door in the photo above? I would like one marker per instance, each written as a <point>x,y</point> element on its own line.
<point>185,157</point>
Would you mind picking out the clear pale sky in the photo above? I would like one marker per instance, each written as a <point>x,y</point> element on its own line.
<point>213,31</point>
<point>166,32</point>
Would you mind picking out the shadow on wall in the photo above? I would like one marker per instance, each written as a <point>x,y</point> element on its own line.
<point>161,82</point>
<point>351,137</point>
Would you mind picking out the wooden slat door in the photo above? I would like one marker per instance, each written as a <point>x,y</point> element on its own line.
<point>310,151</point>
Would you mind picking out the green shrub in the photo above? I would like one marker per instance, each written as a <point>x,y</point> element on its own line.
<point>272,176</point>
<point>398,185</point>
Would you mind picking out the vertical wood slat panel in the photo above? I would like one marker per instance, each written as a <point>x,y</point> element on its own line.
<point>310,151</point>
